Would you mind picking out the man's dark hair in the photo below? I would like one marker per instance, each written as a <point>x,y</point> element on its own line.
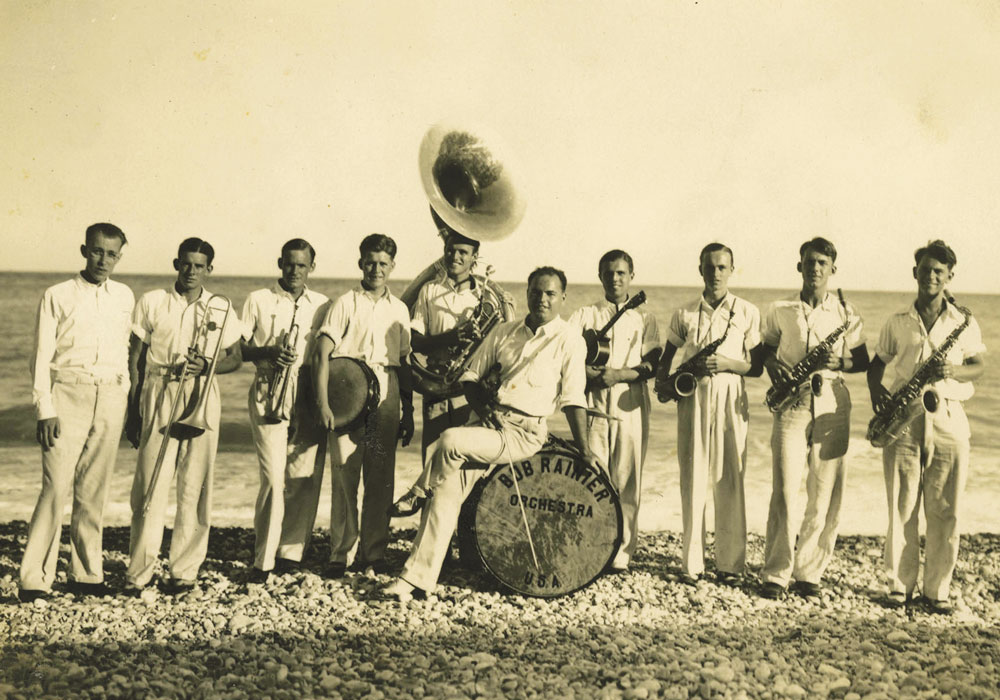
<point>196,245</point>
<point>819,245</point>
<point>613,255</point>
<point>298,244</point>
<point>105,229</point>
<point>939,250</point>
<point>548,270</point>
<point>450,235</point>
<point>715,248</point>
<point>378,243</point>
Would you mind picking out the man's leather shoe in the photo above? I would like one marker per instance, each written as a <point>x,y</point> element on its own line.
<point>772,590</point>
<point>728,578</point>
<point>408,504</point>
<point>807,589</point>
<point>335,569</point>
<point>285,566</point>
<point>939,607</point>
<point>81,588</point>
<point>257,576</point>
<point>174,586</point>
<point>30,595</point>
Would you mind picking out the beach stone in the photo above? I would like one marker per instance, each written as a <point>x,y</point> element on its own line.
<point>898,636</point>
<point>762,671</point>
<point>828,669</point>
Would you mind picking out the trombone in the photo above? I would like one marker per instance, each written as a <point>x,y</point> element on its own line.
<point>194,421</point>
<point>278,390</point>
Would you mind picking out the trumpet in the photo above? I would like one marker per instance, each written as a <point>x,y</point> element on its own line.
<point>194,421</point>
<point>278,390</point>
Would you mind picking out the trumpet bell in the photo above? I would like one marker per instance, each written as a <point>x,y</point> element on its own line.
<point>468,177</point>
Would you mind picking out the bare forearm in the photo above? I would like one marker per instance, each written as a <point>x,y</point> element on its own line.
<point>576,417</point>
<point>231,361</point>
<point>427,343</point>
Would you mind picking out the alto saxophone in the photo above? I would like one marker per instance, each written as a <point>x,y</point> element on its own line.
<point>903,407</point>
<point>684,379</point>
<point>804,374</point>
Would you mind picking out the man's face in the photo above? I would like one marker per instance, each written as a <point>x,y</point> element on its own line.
<point>375,269</point>
<point>816,269</point>
<point>102,254</point>
<point>459,259</point>
<point>545,298</point>
<point>715,269</point>
<point>615,278</point>
<point>932,276</point>
<point>295,268</point>
<point>192,269</point>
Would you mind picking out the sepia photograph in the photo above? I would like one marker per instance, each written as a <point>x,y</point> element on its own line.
<point>504,349</point>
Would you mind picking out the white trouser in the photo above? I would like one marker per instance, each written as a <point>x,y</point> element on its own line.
<point>712,449</point>
<point>621,444</point>
<point>278,510</point>
<point>941,441</point>
<point>193,460</point>
<point>820,445</point>
<point>82,461</point>
<point>523,436</point>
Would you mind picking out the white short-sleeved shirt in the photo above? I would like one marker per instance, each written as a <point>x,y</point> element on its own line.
<point>81,328</point>
<point>166,322</point>
<point>268,315</point>
<point>695,325</point>
<point>632,336</point>
<point>440,307</point>
<point>374,330</point>
<point>904,344</point>
<point>795,328</point>
<point>540,371</point>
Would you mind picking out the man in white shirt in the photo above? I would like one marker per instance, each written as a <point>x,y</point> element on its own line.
<point>279,324</point>
<point>712,421</point>
<point>931,457</point>
<point>814,431</point>
<point>80,387</point>
<point>619,430</point>
<point>541,369</point>
<point>370,324</point>
<point>164,326</point>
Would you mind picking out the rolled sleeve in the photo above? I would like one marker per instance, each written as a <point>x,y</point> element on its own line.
<point>573,381</point>
<point>483,358</point>
<point>855,336</point>
<point>334,325</point>
<point>418,322</point>
<point>770,330</point>
<point>886,346</point>
<point>142,326</point>
<point>650,334</point>
<point>752,337</point>
<point>972,341</point>
<point>248,319</point>
<point>676,333</point>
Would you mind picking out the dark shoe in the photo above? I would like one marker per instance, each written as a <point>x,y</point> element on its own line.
<point>335,569</point>
<point>772,590</point>
<point>379,566</point>
<point>728,578</point>
<point>285,566</point>
<point>256,576</point>
<point>173,586</point>
<point>132,591</point>
<point>689,580</point>
<point>30,595</point>
<point>895,599</point>
<point>80,588</point>
<point>939,607</point>
<point>807,589</point>
<point>408,504</point>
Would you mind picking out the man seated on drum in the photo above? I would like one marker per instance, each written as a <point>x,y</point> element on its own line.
<point>541,368</point>
<point>369,324</point>
<point>278,326</point>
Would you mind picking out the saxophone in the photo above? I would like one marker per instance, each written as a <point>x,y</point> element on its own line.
<point>903,407</point>
<point>804,373</point>
<point>684,379</point>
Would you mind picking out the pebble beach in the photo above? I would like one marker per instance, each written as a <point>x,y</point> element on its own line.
<point>641,634</point>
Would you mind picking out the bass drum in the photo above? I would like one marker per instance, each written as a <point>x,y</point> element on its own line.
<point>353,393</point>
<point>573,513</point>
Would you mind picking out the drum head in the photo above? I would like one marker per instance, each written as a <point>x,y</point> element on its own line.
<point>351,391</point>
<point>573,513</point>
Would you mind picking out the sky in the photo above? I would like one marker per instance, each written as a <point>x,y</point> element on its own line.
<point>656,127</point>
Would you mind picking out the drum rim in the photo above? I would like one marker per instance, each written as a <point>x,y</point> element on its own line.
<point>369,403</point>
<point>492,473</point>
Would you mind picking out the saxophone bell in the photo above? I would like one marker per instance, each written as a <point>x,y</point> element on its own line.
<point>816,384</point>
<point>684,384</point>
<point>931,400</point>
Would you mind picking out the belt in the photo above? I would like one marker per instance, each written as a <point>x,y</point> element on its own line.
<point>72,376</point>
<point>504,408</point>
<point>162,371</point>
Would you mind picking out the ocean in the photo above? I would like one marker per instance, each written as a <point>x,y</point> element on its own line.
<point>236,468</point>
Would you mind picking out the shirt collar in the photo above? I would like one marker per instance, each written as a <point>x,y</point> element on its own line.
<point>605,304</point>
<point>553,326</point>
<point>386,293</point>
<point>203,297</point>
<point>82,282</point>
<point>446,281</point>
<point>708,308</point>
<point>281,292</point>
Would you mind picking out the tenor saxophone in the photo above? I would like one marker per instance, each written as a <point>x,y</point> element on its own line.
<point>903,406</point>
<point>804,374</point>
